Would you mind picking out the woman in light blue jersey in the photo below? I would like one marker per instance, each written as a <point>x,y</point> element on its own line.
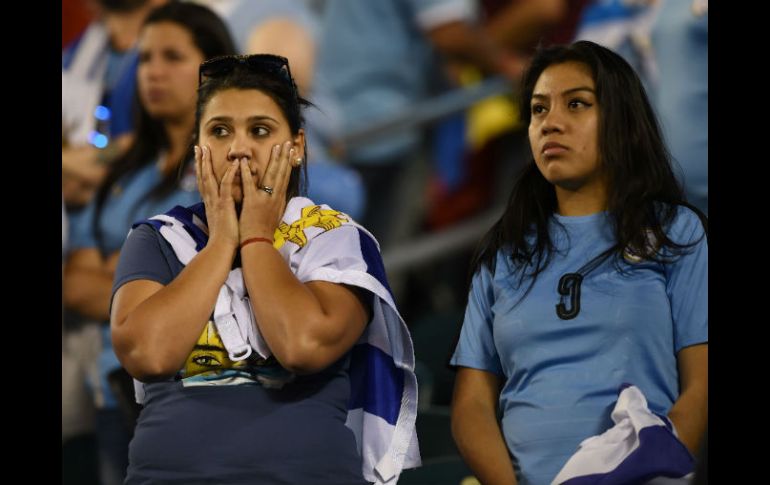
<point>594,277</point>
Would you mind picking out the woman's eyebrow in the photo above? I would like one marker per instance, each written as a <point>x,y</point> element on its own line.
<point>568,91</point>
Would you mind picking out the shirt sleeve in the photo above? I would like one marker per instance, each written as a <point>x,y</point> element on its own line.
<point>143,257</point>
<point>687,282</point>
<point>476,346</point>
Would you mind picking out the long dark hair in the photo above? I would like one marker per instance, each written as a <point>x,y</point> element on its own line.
<point>282,91</point>
<point>212,38</point>
<point>642,193</point>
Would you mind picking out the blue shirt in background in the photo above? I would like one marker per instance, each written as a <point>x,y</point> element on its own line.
<point>127,203</point>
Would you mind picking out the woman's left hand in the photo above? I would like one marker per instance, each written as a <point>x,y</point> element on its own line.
<point>261,210</point>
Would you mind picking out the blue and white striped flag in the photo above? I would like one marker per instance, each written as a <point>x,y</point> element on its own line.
<point>321,244</point>
<point>642,448</point>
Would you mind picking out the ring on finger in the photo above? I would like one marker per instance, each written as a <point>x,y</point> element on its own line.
<point>267,189</point>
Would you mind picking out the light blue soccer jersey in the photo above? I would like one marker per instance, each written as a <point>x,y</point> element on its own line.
<point>562,376</point>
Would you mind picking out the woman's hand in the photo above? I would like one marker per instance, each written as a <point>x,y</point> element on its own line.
<point>261,211</point>
<point>218,198</point>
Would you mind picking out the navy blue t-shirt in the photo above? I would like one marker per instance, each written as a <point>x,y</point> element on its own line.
<point>238,423</point>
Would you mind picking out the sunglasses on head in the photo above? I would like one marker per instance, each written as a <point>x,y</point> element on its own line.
<point>259,63</point>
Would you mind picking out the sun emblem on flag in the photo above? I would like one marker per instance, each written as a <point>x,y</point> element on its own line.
<point>312,216</point>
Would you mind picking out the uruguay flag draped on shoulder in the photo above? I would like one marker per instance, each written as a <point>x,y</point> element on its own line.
<point>321,244</point>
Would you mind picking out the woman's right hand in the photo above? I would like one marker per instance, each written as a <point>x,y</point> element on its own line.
<point>217,198</point>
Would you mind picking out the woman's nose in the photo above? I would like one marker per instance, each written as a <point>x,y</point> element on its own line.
<point>153,68</point>
<point>553,121</point>
<point>240,148</point>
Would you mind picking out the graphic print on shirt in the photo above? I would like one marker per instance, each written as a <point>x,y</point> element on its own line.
<point>569,286</point>
<point>209,365</point>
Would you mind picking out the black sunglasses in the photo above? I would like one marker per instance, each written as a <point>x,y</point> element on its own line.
<point>261,63</point>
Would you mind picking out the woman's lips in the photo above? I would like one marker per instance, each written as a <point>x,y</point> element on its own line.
<point>553,148</point>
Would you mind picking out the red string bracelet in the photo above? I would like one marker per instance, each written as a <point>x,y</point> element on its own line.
<point>256,239</point>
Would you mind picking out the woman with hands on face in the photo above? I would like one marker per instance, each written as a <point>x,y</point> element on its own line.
<point>241,206</point>
<point>250,321</point>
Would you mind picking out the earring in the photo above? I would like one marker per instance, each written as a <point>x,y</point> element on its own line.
<point>298,161</point>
